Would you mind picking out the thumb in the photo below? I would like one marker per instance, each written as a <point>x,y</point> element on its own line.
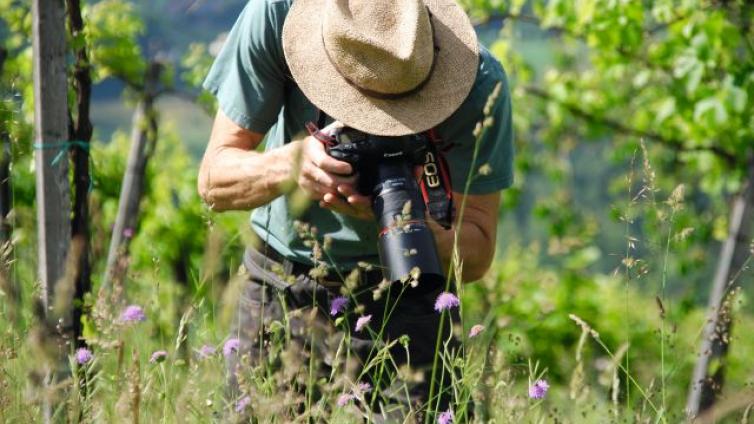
<point>333,127</point>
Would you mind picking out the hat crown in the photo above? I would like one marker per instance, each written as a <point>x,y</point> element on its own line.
<point>383,46</point>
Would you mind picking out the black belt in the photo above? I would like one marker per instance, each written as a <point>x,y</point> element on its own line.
<point>295,268</point>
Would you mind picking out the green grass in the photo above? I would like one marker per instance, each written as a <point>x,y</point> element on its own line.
<point>495,369</point>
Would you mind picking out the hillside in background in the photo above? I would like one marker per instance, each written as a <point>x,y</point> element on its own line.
<point>166,37</point>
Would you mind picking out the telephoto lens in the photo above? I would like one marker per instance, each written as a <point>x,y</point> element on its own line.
<point>406,243</point>
<point>385,167</point>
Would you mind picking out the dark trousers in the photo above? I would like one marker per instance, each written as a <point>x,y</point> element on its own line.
<point>287,326</point>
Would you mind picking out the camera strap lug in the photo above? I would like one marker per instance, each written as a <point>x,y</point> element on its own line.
<point>314,131</point>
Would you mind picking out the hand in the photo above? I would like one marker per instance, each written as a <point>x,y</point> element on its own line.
<point>324,178</point>
<point>350,202</point>
<point>320,174</point>
<point>347,200</point>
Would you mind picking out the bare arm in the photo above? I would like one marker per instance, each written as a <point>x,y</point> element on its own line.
<point>478,233</point>
<point>233,175</point>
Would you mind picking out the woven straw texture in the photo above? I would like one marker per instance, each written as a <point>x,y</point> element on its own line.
<point>383,46</point>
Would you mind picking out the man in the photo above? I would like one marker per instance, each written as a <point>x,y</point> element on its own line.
<point>391,68</point>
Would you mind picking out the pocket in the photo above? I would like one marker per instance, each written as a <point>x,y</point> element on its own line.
<point>257,307</point>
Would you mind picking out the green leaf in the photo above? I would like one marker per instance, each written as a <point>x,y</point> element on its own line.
<point>585,11</point>
<point>683,65</point>
<point>737,98</point>
<point>665,110</point>
<point>516,5</point>
<point>641,78</point>
<point>711,104</point>
<point>584,257</point>
<point>694,78</point>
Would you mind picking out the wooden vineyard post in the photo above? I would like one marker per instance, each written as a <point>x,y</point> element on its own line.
<point>707,381</point>
<point>50,136</point>
<point>143,139</point>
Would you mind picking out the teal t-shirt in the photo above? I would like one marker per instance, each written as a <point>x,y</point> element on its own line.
<point>254,89</point>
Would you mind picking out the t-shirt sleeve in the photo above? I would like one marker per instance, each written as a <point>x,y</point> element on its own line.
<point>494,164</point>
<point>493,168</point>
<point>248,76</point>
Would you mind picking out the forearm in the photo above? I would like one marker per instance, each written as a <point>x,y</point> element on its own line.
<point>475,248</point>
<point>237,179</point>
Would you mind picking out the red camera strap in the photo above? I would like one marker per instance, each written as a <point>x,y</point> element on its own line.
<point>435,183</point>
<point>315,129</point>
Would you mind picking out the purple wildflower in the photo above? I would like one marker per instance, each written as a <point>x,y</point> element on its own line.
<point>158,356</point>
<point>475,330</point>
<point>344,398</point>
<point>362,388</point>
<point>362,322</point>
<point>538,390</point>
<point>445,301</point>
<point>133,313</point>
<point>83,355</point>
<point>206,351</point>
<point>128,232</point>
<point>338,304</point>
<point>243,403</point>
<point>231,346</point>
<point>446,417</point>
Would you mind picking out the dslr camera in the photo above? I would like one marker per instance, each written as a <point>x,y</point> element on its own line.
<point>405,176</point>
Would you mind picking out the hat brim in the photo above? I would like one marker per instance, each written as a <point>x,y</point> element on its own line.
<point>454,73</point>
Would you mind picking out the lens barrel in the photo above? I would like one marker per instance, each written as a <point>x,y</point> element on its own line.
<point>406,242</point>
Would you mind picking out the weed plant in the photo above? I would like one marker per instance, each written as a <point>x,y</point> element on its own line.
<point>538,344</point>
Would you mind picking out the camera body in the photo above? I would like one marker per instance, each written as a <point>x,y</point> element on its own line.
<point>385,168</point>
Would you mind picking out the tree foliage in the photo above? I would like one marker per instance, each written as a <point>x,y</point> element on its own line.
<point>113,33</point>
<point>678,76</point>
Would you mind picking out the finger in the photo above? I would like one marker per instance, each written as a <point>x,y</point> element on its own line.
<point>348,190</point>
<point>322,160</point>
<point>349,181</point>
<point>360,201</point>
<point>313,190</point>
<point>322,178</point>
<point>330,164</point>
<point>335,203</point>
<point>334,200</point>
<point>342,180</point>
<point>313,181</point>
<point>330,180</point>
<point>354,197</point>
<point>335,125</point>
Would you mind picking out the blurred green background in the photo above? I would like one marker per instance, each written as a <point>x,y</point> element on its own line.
<point>634,136</point>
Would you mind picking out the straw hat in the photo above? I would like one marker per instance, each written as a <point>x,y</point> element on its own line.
<point>385,67</point>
